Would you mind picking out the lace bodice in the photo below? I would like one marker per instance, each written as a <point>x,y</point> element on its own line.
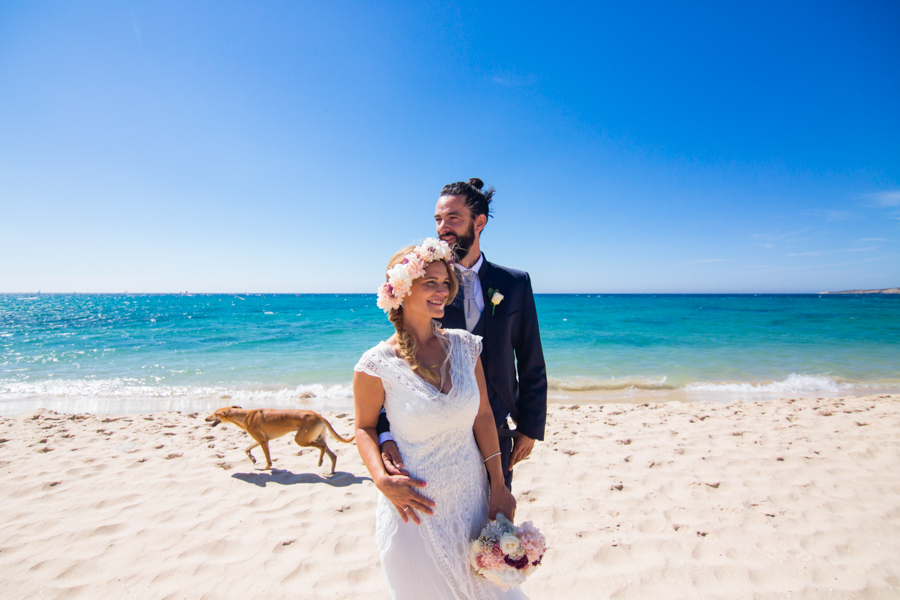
<point>427,414</point>
<point>434,434</point>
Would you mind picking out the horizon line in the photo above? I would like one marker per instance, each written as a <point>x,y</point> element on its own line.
<point>858,291</point>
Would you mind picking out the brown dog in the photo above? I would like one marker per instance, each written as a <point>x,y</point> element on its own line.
<point>266,424</point>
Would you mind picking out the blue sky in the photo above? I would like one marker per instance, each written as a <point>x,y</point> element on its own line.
<point>293,146</point>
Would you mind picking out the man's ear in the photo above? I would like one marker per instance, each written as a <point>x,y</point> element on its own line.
<point>480,222</point>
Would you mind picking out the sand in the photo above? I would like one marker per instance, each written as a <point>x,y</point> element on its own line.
<point>780,499</point>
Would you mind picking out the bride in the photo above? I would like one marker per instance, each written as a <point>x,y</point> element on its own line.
<point>431,385</point>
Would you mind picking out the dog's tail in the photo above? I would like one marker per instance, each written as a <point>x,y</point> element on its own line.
<point>335,433</point>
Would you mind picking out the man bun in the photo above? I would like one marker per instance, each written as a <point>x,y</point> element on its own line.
<point>479,202</point>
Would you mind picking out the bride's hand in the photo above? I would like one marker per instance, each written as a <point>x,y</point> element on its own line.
<point>400,490</point>
<point>502,501</point>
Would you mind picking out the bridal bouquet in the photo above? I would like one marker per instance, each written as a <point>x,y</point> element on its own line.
<point>506,554</point>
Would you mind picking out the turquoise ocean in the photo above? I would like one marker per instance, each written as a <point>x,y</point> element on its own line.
<point>149,353</point>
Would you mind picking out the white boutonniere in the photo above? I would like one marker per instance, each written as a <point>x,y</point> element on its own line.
<point>496,298</point>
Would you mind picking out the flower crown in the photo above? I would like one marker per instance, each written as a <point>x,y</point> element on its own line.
<point>400,276</point>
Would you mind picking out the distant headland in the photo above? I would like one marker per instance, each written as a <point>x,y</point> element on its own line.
<point>884,291</point>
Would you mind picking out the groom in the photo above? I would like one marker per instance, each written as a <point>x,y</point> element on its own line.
<point>511,356</point>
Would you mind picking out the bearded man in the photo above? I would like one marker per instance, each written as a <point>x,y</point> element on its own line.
<point>496,303</point>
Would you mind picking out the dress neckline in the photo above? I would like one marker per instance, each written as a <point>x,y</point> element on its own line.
<point>448,349</point>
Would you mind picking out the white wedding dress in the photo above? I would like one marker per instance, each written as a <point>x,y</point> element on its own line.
<point>434,434</point>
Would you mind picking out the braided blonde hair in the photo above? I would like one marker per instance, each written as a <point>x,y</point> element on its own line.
<point>408,346</point>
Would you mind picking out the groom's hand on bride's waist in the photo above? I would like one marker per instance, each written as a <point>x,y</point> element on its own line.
<point>399,487</point>
<point>393,462</point>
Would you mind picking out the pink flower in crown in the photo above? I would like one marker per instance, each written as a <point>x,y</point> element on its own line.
<point>415,266</point>
<point>402,288</point>
<point>401,276</point>
<point>398,277</point>
<point>433,249</point>
<point>386,300</point>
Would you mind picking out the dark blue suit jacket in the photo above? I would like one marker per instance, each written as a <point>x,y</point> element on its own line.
<point>511,356</point>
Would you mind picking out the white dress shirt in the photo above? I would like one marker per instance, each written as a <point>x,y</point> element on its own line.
<point>479,295</point>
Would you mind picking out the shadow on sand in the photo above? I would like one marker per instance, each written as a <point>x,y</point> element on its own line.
<point>282,477</point>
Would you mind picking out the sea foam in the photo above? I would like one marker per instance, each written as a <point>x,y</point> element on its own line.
<point>125,395</point>
<point>794,384</point>
<point>589,384</point>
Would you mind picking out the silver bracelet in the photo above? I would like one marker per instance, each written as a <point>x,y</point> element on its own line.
<point>490,457</point>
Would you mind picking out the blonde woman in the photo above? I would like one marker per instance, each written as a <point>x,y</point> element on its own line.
<point>431,385</point>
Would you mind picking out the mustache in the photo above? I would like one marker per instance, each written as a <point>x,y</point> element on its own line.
<point>456,244</point>
<point>461,243</point>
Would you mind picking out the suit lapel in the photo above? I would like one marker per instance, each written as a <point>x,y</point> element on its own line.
<point>492,349</point>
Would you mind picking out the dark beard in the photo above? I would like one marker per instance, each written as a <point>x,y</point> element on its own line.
<point>464,243</point>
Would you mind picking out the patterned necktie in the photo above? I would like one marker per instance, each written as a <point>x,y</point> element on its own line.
<point>469,277</point>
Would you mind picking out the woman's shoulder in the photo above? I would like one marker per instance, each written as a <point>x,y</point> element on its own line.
<point>462,336</point>
<point>372,358</point>
<point>376,349</point>
<point>385,346</point>
<point>456,333</point>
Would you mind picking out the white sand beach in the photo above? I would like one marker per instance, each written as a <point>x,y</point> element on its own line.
<point>781,499</point>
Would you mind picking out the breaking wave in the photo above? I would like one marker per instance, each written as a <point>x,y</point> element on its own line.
<point>793,384</point>
<point>117,396</point>
<point>590,384</point>
<point>126,395</point>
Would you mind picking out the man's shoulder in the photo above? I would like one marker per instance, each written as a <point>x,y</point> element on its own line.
<point>507,271</point>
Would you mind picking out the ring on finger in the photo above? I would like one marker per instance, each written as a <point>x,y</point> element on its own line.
<point>407,508</point>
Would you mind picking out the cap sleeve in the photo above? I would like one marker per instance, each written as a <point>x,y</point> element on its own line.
<point>471,346</point>
<point>368,364</point>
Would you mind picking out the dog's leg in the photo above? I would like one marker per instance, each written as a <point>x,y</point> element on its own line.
<point>317,443</point>
<point>332,456</point>
<point>249,448</point>
<point>264,444</point>
<point>323,447</point>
